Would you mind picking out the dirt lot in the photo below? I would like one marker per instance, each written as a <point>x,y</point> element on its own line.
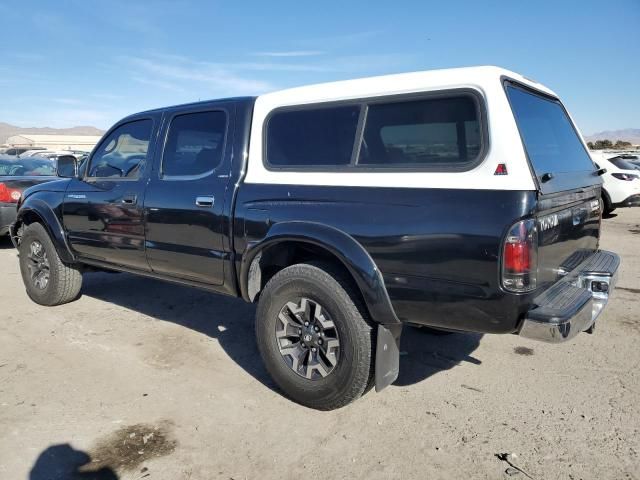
<point>149,380</point>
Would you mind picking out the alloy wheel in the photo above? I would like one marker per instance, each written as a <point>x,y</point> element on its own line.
<point>38,265</point>
<point>308,339</point>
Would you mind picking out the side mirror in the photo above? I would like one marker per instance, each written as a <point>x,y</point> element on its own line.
<point>67,166</point>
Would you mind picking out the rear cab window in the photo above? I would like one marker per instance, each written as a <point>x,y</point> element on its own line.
<point>557,156</point>
<point>194,145</point>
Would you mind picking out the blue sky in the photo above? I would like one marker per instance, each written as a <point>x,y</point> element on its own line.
<point>69,63</point>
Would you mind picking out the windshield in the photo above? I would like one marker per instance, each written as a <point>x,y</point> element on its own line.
<point>27,167</point>
<point>551,142</point>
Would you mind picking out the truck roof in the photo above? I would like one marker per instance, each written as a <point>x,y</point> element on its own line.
<point>482,77</point>
<point>198,103</point>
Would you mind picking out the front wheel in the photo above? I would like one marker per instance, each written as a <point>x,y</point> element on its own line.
<point>47,280</point>
<point>314,336</point>
<point>605,203</point>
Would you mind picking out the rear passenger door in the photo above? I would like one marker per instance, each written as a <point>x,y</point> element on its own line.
<point>184,203</point>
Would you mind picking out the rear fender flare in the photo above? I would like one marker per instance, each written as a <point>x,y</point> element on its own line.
<point>343,247</point>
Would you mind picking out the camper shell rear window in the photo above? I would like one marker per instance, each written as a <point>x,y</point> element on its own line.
<point>555,151</point>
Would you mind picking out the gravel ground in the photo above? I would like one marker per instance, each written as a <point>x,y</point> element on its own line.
<point>142,379</point>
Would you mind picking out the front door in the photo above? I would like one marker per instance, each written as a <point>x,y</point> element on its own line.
<point>103,210</point>
<point>184,202</point>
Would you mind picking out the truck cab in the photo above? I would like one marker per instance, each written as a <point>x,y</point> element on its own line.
<point>156,196</point>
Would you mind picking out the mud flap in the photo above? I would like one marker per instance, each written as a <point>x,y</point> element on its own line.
<point>387,355</point>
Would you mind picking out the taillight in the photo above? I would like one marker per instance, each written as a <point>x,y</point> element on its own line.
<point>519,257</point>
<point>624,176</point>
<point>9,195</point>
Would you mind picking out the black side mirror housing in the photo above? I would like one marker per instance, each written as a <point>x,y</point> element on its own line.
<point>67,166</point>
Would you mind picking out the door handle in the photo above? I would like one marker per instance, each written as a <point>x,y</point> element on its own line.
<point>130,198</point>
<point>205,201</point>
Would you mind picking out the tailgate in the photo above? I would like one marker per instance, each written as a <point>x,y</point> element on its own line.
<point>568,212</point>
<point>568,231</point>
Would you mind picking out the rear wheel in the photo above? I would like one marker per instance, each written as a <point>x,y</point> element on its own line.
<point>47,280</point>
<point>314,336</point>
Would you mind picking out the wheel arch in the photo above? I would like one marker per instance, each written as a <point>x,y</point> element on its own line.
<point>38,211</point>
<point>282,246</point>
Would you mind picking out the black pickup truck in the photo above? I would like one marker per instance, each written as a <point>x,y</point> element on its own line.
<point>461,200</point>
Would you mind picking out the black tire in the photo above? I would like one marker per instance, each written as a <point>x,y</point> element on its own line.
<point>329,288</point>
<point>63,281</point>
<point>607,208</point>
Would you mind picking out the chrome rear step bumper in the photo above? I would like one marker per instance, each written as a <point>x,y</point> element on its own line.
<point>573,304</point>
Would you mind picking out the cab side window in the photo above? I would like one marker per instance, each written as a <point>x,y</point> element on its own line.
<point>123,153</point>
<point>195,144</point>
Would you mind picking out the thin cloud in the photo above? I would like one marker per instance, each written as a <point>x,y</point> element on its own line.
<point>291,53</point>
<point>375,63</point>
<point>106,96</point>
<point>345,39</point>
<point>26,56</point>
<point>125,16</point>
<point>190,78</point>
<point>158,84</point>
<point>204,77</point>
<point>275,66</point>
<point>68,101</point>
<point>47,20</point>
<point>281,67</point>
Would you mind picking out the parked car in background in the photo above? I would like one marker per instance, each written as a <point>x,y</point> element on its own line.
<point>52,153</point>
<point>15,151</point>
<point>624,162</point>
<point>633,159</point>
<point>31,152</point>
<point>17,174</point>
<point>621,181</point>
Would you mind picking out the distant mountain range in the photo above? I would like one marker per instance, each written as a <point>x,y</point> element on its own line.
<point>7,130</point>
<point>626,135</point>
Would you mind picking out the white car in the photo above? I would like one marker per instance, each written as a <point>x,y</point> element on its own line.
<point>621,181</point>
<point>52,153</point>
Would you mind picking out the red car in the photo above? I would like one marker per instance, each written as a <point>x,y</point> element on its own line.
<point>16,175</point>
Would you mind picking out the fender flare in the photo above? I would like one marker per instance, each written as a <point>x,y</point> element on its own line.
<point>49,220</point>
<point>343,246</point>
